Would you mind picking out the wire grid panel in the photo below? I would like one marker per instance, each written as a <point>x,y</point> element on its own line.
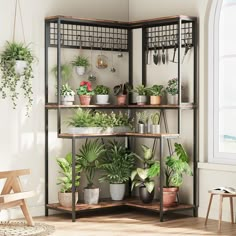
<point>85,36</point>
<point>167,36</point>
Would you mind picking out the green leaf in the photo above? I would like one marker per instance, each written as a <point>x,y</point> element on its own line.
<point>150,186</point>
<point>181,153</point>
<point>143,173</point>
<point>133,174</point>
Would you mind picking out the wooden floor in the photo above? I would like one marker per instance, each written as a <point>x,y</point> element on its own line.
<point>134,224</point>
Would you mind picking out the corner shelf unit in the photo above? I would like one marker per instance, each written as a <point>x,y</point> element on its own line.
<point>68,32</point>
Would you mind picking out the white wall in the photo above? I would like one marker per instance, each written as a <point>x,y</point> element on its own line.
<point>22,138</point>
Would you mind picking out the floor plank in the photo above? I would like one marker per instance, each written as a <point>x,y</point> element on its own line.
<point>134,224</point>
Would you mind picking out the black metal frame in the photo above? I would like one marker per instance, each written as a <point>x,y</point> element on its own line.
<point>62,32</point>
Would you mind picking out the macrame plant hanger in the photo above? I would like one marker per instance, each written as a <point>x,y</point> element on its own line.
<point>17,4</point>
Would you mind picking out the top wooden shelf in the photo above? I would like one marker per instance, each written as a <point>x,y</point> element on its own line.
<point>111,106</point>
<point>131,24</point>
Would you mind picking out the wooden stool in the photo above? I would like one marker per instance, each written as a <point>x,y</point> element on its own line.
<point>222,196</point>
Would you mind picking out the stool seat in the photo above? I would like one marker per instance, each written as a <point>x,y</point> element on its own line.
<point>221,195</point>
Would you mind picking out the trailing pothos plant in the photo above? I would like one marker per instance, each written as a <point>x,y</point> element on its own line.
<point>11,81</point>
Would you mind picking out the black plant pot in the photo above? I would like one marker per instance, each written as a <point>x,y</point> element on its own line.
<point>145,196</point>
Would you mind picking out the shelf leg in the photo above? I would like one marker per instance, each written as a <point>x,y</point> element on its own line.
<point>161,180</point>
<point>73,181</point>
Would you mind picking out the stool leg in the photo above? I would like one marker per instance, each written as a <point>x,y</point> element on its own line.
<point>231,209</point>
<point>209,207</point>
<point>220,213</point>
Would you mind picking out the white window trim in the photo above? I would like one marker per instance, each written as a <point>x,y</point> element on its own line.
<point>214,156</point>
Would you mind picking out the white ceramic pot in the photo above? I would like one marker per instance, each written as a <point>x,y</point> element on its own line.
<point>80,70</point>
<point>91,195</point>
<point>102,99</point>
<point>65,199</point>
<point>172,99</point>
<point>20,67</point>
<point>155,129</point>
<point>67,100</point>
<point>142,128</point>
<point>117,191</point>
<point>141,100</point>
<point>84,130</point>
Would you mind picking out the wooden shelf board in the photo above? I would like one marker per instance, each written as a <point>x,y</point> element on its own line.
<point>109,106</point>
<point>154,206</point>
<point>68,135</point>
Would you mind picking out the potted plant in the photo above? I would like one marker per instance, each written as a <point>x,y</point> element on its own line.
<point>175,166</point>
<point>156,92</point>
<point>66,72</point>
<point>16,65</point>
<point>142,121</point>
<point>143,177</point>
<point>142,92</point>
<point>155,123</point>
<point>172,90</point>
<point>102,94</point>
<point>87,157</point>
<point>85,92</point>
<point>67,95</point>
<point>80,63</point>
<point>117,164</point>
<point>65,193</point>
<point>121,91</point>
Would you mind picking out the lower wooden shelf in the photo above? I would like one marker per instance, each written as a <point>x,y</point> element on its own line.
<point>154,206</point>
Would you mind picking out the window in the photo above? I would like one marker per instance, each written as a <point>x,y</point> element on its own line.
<point>222,84</point>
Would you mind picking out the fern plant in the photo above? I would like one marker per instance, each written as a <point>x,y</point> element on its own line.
<point>117,163</point>
<point>65,180</point>
<point>88,157</point>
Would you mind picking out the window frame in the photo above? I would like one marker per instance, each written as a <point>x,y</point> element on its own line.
<point>214,156</point>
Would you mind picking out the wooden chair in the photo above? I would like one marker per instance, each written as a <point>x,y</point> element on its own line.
<point>12,194</point>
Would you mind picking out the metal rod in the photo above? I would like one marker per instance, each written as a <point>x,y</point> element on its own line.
<point>179,73</point>
<point>130,46</point>
<point>144,69</point>
<point>46,115</point>
<point>58,75</point>
<point>161,180</point>
<point>73,181</point>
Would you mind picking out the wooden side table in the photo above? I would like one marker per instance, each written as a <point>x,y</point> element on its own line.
<point>221,195</point>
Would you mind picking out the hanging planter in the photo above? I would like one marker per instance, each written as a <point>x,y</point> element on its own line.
<point>17,73</point>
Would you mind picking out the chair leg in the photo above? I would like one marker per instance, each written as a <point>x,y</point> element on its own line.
<point>26,213</point>
<point>220,213</point>
<point>209,207</point>
<point>231,209</point>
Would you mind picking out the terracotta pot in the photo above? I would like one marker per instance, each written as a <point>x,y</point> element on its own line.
<point>121,99</point>
<point>144,195</point>
<point>155,100</point>
<point>85,99</point>
<point>170,196</point>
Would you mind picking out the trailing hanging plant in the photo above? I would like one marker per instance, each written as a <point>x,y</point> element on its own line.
<point>11,81</point>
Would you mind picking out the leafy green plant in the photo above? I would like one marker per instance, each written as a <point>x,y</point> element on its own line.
<point>141,90</point>
<point>144,176</point>
<point>156,90</point>
<point>65,180</point>
<point>101,90</point>
<point>172,87</point>
<point>117,163</point>
<point>66,72</point>
<point>177,165</point>
<point>66,90</point>
<point>155,118</point>
<point>80,61</point>
<point>11,81</point>
<point>122,89</point>
<point>88,159</point>
<point>85,88</point>
<point>142,117</point>
<point>89,118</point>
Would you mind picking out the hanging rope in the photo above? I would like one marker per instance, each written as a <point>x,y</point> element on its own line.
<point>15,16</point>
